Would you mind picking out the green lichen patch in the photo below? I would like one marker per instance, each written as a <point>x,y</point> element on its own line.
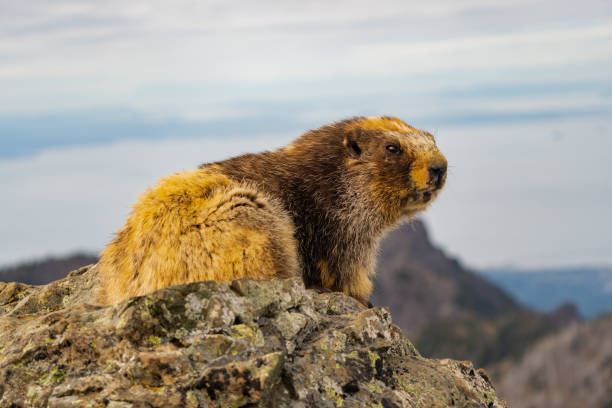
<point>55,376</point>
<point>155,340</point>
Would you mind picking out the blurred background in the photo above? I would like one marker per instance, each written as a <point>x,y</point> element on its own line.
<point>511,267</point>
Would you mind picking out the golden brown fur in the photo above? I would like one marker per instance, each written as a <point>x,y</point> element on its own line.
<point>194,226</point>
<point>317,207</point>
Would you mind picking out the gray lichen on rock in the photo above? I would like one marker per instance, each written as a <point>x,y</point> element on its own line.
<point>208,344</point>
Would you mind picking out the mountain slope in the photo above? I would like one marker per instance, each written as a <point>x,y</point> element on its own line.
<point>571,369</point>
<point>420,283</point>
<point>450,311</point>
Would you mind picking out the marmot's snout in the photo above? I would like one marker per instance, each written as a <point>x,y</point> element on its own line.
<point>428,175</point>
<point>437,172</point>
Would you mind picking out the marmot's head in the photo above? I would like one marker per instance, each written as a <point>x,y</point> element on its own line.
<point>380,167</point>
<point>401,166</point>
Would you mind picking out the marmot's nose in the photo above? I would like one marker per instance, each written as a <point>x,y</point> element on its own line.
<point>437,173</point>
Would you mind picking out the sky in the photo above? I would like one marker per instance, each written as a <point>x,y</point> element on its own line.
<point>99,99</point>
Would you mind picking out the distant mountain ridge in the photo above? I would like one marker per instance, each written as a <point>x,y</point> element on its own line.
<point>569,369</point>
<point>43,271</point>
<point>449,311</point>
<point>421,283</point>
<point>590,288</point>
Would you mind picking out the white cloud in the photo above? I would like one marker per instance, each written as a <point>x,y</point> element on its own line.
<point>61,55</point>
<point>534,49</point>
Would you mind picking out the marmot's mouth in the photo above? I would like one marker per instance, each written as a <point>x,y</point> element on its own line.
<point>422,197</point>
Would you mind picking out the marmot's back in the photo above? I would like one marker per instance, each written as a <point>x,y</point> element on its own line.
<point>194,226</point>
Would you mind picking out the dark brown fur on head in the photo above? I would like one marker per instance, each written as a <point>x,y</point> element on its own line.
<point>344,185</point>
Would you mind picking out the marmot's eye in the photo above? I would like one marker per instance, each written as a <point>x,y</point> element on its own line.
<point>393,149</point>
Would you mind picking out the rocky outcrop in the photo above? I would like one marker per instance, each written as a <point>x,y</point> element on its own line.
<point>247,343</point>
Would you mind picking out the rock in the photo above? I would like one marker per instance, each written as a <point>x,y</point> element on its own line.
<point>206,344</point>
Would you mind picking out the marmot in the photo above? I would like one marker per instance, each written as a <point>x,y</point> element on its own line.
<point>316,208</point>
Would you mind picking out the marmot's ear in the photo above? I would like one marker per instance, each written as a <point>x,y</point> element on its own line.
<point>351,142</point>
